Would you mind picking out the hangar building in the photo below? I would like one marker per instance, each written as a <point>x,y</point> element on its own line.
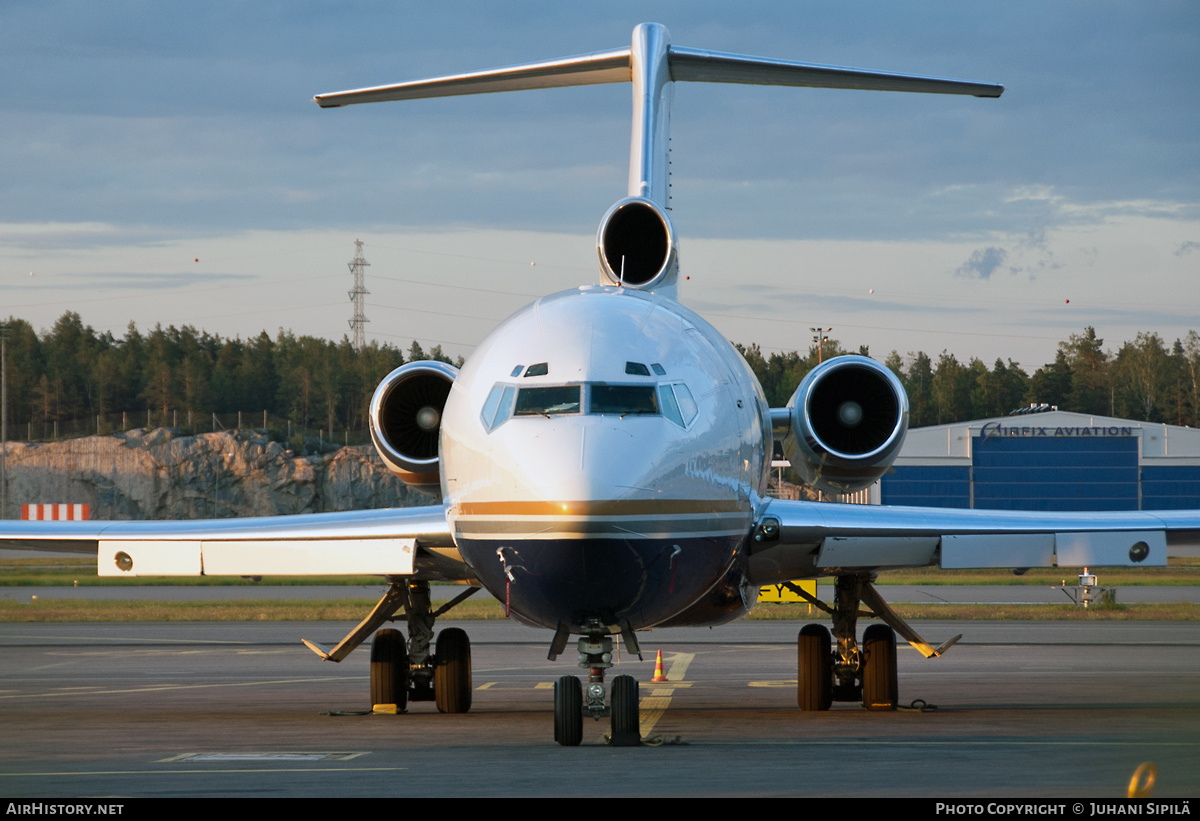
<point>1053,460</point>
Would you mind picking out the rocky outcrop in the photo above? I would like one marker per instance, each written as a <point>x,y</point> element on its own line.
<point>159,474</point>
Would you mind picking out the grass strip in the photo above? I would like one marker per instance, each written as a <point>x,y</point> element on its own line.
<point>1180,572</point>
<point>58,610</point>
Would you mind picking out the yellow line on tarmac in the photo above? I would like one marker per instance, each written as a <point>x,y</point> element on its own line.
<point>655,705</point>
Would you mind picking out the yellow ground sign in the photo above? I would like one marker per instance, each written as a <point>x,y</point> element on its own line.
<point>777,592</point>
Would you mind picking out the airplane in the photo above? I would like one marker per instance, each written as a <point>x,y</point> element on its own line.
<point>603,457</point>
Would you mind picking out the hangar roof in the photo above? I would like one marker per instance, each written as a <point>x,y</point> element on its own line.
<point>951,444</point>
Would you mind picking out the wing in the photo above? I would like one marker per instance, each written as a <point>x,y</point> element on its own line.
<point>398,541</point>
<point>804,539</point>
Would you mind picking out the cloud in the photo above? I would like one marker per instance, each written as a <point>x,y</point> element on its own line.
<point>983,263</point>
<point>1187,248</point>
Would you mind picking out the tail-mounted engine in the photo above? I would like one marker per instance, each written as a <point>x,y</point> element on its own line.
<point>406,418</point>
<point>636,245</point>
<point>848,419</point>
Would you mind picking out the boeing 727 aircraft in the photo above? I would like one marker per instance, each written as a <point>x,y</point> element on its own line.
<point>603,457</point>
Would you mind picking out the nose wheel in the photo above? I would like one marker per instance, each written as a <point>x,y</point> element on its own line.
<point>568,711</point>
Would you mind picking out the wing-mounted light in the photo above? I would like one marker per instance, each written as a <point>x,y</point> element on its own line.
<point>406,420</point>
<point>848,420</point>
<point>637,247</point>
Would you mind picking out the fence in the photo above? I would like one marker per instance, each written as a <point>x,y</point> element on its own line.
<point>187,422</point>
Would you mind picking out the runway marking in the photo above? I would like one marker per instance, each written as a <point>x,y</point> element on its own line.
<point>167,687</point>
<point>173,771</point>
<point>876,742</point>
<point>160,640</point>
<point>655,705</point>
<point>263,756</point>
<point>206,651</point>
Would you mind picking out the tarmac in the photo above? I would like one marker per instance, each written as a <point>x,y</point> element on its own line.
<point>1035,710</point>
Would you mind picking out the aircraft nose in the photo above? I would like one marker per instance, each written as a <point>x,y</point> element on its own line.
<point>601,462</point>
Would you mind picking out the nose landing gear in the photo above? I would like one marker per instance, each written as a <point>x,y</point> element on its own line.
<point>572,701</point>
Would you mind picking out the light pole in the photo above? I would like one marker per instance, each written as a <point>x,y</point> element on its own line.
<point>820,338</point>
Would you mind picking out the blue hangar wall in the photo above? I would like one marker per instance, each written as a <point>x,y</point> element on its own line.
<point>1047,461</point>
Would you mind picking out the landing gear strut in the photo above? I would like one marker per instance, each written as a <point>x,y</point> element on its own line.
<point>572,700</point>
<point>849,673</point>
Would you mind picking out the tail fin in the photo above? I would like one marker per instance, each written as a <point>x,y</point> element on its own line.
<point>652,64</point>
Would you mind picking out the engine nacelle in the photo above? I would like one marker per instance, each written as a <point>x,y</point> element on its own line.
<point>406,419</point>
<point>636,245</point>
<point>848,420</point>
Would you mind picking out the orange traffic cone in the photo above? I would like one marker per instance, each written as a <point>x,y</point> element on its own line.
<point>659,675</point>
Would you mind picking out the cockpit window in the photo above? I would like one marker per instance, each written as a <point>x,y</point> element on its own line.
<point>623,399</point>
<point>558,399</point>
<point>671,399</point>
<point>677,403</point>
<point>636,369</point>
<point>497,408</point>
<point>540,369</point>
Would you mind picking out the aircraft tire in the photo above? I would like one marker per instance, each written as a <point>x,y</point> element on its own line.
<point>814,668</point>
<point>880,689</point>
<point>568,711</point>
<point>626,721</point>
<point>389,669</point>
<point>452,671</point>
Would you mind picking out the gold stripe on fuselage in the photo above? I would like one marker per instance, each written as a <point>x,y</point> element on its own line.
<point>627,507</point>
<point>630,519</point>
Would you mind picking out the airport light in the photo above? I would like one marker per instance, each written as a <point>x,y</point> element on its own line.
<point>820,338</point>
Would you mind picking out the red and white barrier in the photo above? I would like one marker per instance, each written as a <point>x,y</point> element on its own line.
<point>55,513</point>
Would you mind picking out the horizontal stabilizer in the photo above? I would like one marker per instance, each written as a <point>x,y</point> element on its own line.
<point>696,65</point>
<point>652,64</point>
<point>684,65</point>
<point>581,70</point>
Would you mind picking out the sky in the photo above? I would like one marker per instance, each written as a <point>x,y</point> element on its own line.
<point>164,163</point>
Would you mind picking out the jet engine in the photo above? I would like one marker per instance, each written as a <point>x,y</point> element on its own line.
<point>847,420</point>
<point>406,418</point>
<point>636,245</point>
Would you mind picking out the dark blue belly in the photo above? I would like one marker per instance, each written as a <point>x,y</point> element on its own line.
<point>634,582</point>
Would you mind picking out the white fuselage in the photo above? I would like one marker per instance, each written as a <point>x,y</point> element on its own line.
<point>603,453</point>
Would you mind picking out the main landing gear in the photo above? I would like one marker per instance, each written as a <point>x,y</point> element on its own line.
<point>572,701</point>
<point>404,671</point>
<point>407,671</point>
<point>853,672</point>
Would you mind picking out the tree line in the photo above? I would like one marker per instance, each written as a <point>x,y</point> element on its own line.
<point>1144,380</point>
<point>172,375</point>
<point>169,375</point>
